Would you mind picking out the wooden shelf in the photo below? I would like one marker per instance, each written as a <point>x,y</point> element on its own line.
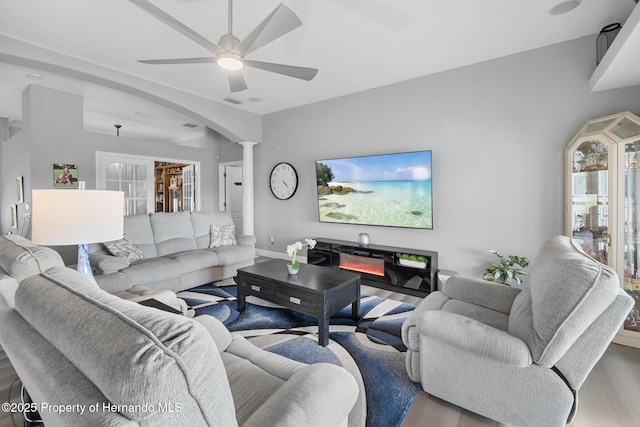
<point>168,186</point>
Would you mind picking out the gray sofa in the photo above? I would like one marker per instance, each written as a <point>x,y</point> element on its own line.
<point>176,253</point>
<point>518,355</point>
<point>117,363</point>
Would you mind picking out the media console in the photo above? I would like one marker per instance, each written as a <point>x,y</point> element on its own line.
<point>379,266</point>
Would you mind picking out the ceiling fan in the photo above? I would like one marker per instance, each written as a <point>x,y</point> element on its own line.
<point>230,52</point>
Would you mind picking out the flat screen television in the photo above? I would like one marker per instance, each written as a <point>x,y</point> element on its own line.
<point>392,190</point>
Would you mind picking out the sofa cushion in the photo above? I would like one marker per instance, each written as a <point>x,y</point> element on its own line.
<point>172,232</point>
<point>560,314</point>
<point>124,248</point>
<point>167,359</point>
<point>222,235</point>
<point>202,221</point>
<point>20,258</point>
<point>138,228</point>
<point>229,255</point>
<point>151,270</point>
<point>195,260</point>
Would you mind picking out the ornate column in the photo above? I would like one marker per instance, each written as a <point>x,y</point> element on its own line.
<point>247,186</point>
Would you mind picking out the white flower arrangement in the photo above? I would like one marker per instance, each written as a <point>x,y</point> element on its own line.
<point>292,250</point>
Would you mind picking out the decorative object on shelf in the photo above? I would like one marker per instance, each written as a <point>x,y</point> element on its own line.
<point>605,38</point>
<point>415,261</point>
<point>292,251</point>
<point>283,181</point>
<point>175,183</point>
<point>19,190</point>
<point>77,218</point>
<point>14,216</point>
<point>505,271</point>
<point>363,239</point>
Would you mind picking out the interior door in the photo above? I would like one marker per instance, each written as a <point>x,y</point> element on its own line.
<point>233,195</point>
<point>133,176</point>
<point>188,188</point>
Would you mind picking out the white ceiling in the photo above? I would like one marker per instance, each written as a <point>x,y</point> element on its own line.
<point>355,44</point>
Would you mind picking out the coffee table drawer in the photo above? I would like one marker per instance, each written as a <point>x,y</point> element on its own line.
<point>260,290</point>
<point>293,299</point>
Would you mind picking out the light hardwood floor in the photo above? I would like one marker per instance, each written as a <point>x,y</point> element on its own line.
<point>609,397</point>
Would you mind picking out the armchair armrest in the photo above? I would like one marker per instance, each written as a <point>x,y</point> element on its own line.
<point>220,334</point>
<point>107,263</point>
<point>245,239</point>
<point>481,292</point>
<point>472,336</point>
<point>321,394</point>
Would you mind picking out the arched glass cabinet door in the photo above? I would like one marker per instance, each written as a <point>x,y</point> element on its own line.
<point>590,186</point>
<point>603,202</point>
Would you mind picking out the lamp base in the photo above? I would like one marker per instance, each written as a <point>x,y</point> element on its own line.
<point>84,267</point>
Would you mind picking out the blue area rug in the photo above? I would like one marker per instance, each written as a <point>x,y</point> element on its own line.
<point>371,349</point>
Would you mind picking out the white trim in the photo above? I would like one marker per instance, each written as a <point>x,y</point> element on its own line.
<point>196,163</point>
<point>221,182</point>
<point>279,255</point>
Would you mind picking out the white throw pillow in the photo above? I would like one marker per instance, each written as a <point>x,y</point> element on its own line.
<point>124,248</point>
<point>222,235</point>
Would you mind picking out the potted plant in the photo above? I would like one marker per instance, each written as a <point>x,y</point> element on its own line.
<point>505,271</point>
<point>292,251</point>
<point>416,261</point>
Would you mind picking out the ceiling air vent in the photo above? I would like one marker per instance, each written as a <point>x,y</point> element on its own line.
<point>190,125</point>
<point>232,101</point>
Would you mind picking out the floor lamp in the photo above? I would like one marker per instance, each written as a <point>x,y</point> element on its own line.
<point>77,217</point>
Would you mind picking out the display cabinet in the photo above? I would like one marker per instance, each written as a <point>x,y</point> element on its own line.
<point>602,198</point>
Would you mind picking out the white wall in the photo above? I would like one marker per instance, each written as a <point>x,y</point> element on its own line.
<point>497,130</point>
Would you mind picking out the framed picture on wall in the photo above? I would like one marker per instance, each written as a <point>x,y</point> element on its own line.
<point>14,216</point>
<point>19,190</point>
<point>65,175</point>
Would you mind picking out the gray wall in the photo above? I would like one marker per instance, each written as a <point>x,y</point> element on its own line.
<point>497,130</point>
<point>53,133</point>
<point>14,162</point>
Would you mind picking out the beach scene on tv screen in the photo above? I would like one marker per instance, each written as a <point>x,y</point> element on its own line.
<point>389,190</point>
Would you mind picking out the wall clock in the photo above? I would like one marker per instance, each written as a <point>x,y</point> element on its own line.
<point>283,181</point>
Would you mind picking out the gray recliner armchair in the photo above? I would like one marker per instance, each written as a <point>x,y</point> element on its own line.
<point>518,355</point>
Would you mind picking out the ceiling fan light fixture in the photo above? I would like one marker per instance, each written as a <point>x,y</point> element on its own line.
<point>229,61</point>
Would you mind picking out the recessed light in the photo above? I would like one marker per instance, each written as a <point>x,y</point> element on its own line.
<point>35,76</point>
<point>564,7</point>
<point>142,114</point>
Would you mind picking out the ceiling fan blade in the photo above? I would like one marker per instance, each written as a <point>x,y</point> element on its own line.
<point>278,23</point>
<point>206,60</point>
<point>177,25</point>
<point>303,73</point>
<point>236,81</point>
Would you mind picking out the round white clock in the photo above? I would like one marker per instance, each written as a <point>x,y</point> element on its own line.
<point>283,181</point>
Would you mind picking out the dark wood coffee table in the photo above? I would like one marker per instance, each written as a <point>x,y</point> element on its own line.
<point>317,291</point>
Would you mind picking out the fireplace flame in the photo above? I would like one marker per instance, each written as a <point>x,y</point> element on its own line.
<point>363,268</point>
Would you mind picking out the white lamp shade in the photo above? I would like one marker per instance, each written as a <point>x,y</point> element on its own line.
<point>73,217</point>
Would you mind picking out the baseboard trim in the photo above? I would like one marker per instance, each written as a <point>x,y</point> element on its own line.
<point>279,255</point>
